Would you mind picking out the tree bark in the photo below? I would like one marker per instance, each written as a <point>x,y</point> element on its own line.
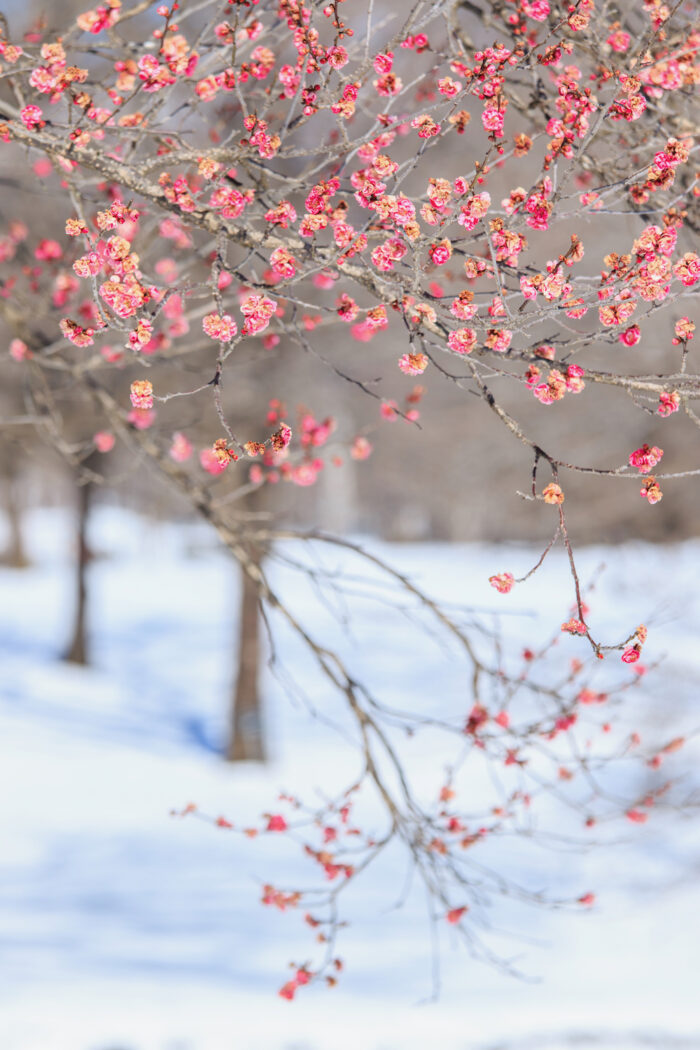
<point>78,652</point>
<point>14,555</point>
<point>246,742</point>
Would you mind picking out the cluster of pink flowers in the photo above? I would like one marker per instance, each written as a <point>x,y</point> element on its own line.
<point>345,106</point>
<point>32,117</point>
<point>633,652</point>
<point>574,626</point>
<point>687,269</point>
<point>441,252</point>
<point>651,490</point>
<point>462,340</point>
<point>645,458</point>
<point>538,10</point>
<point>19,351</point>
<point>222,328</point>
<point>556,385</point>
<point>154,76</point>
<point>103,17</point>
<point>474,209</point>
<point>124,296</point>
<point>493,116</point>
<point>631,335</point>
<point>619,40</point>
<point>266,144</point>
<point>413,364</point>
<point>463,307</point>
<point>284,214</point>
<point>217,458</point>
<point>503,582</point>
<point>683,331</point>
<point>314,434</point>
<point>668,403</point>
<point>180,449</point>
<point>77,335</point>
<point>427,127</point>
<point>140,336</point>
<point>538,207</point>
<point>177,192</point>
<point>230,201</point>
<point>498,339</point>
<point>630,108</point>
<point>385,255</point>
<point>283,263</point>
<point>618,312</point>
<point>258,311</point>
<point>142,393</point>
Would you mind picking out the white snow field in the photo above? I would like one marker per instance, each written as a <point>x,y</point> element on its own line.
<point>122,928</point>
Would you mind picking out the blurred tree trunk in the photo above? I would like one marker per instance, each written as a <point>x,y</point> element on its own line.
<point>246,741</point>
<point>14,555</point>
<point>78,649</point>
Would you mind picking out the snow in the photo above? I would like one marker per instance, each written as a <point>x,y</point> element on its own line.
<point>123,928</point>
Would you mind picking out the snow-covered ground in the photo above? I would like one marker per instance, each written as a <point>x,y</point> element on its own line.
<point>122,928</point>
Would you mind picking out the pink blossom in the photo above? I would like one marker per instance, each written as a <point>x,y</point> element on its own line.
<point>683,330</point>
<point>222,328</point>
<point>651,491</point>
<point>19,351</point>
<point>528,287</point>
<point>141,335</point>
<point>645,458</point>
<point>75,333</point>
<point>426,126</point>
<point>574,626</point>
<point>104,441</point>
<point>141,418</point>
<point>636,816</point>
<point>498,339</point>
<point>440,253</point>
<point>32,117</point>
<point>100,18</point>
<point>687,269</point>
<point>337,57</point>
<point>574,379</point>
<point>142,393</point>
<point>462,340</point>
<point>276,822</point>
<point>283,263</point>
<point>493,118</point>
<point>630,336</point>
<point>48,249</point>
<point>668,403</point>
<point>413,364</point>
<point>258,311</point>
<point>474,209</point>
<point>216,459</point>
<point>384,62</point>
<point>180,449</point>
<point>305,474</point>
<point>536,9</point>
<point>462,307</point>
<point>619,40</point>
<point>360,448</point>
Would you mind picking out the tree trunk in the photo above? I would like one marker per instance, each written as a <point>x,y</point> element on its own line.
<point>78,650</point>
<point>14,555</point>
<point>246,742</point>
